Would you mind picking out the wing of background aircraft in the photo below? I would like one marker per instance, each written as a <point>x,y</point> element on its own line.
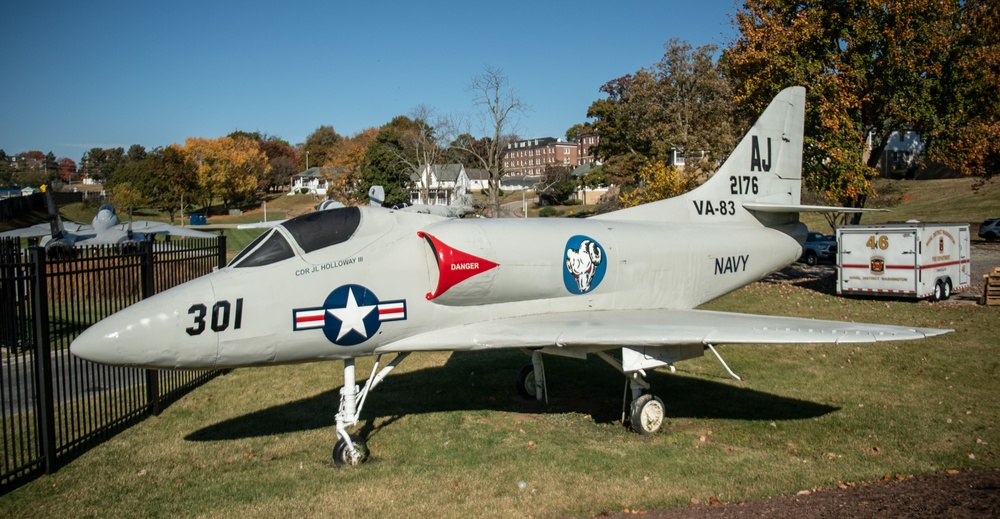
<point>44,229</point>
<point>148,227</point>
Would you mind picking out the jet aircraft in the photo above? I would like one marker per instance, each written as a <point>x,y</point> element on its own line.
<point>104,229</point>
<point>362,281</point>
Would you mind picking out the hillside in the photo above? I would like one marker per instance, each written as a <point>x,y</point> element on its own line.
<point>946,200</point>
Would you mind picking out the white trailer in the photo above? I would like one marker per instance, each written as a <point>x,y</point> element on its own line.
<point>918,260</point>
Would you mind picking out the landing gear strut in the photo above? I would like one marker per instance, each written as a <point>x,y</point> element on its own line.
<point>531,379</point>
<point>352,450</point>
<point>646,413</point>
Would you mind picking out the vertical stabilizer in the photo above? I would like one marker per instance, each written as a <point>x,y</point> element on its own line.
<point>765,168</point>
<point>55,222</point>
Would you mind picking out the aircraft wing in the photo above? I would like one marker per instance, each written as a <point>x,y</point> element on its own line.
<point>594,331</point>
<point>45,229</point>
<point>149,227</point>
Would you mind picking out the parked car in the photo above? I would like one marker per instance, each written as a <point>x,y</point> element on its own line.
<point>819,247</point>
<point>990,229</point>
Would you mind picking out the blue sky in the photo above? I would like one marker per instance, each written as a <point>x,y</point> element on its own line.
<point>79,75</point>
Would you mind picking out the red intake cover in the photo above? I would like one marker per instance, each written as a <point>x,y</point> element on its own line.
<point>454,266</point>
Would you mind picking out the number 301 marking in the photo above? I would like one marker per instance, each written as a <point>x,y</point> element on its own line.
<point>221,313</point>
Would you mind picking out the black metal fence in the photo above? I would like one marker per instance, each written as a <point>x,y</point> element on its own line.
<point>55,405</point>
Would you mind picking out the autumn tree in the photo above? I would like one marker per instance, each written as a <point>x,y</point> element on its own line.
<point>283,158</point>
<point>318,145</point>
<point>658,181</point>
<point>127,188</point>
<point>557,185</point>
<point>5,169</point>
<point>872,69</point>
<point>422,148</point>
<point>344,161</point>
<point>682,104</point>
<point>67,169</point>
<point>100,163</point>
<point>382,164</point>
<point>33,168</point>
<point>172,181</point>
<point>498,106</point>
<point>225,167</point>
<point>574,132</point>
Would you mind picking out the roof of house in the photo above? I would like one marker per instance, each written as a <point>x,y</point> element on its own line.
<point>313,172</point>
<point>477,174</point>
<point>443,172</point>
<point>582,170</point>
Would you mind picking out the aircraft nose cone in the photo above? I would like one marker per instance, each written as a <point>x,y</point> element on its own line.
<point>153,333</point>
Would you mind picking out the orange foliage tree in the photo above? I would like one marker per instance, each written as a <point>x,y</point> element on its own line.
<point>226,167</point>
<point>872,68</point>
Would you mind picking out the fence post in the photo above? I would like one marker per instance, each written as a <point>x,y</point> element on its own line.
<point>221,244</point>
<point>43,360</point>
<point>146,281</point>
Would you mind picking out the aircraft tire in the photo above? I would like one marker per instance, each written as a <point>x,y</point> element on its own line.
<point>342,455</point>
<point>648,413</point>
<point>526,382</point>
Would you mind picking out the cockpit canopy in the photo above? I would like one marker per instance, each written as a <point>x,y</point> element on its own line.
<point>308,233</point>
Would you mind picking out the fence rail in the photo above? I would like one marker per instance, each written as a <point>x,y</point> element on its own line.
<point>55,405</point>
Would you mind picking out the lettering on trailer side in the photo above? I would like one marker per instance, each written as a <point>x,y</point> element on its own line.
<point>731,264</point>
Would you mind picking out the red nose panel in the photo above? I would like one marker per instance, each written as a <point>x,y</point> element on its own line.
<point>454,266</point>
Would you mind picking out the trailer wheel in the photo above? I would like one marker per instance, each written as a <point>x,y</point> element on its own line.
<point>938,291</point>
<point>947,289</point>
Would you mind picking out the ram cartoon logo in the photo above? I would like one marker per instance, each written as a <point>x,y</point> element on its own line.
<point>585,265</point>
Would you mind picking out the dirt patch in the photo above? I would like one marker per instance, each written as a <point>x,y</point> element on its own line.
<point>955,494</point>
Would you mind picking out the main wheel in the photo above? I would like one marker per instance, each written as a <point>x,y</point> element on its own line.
<point>811,258</point>
<point>526,382</point>
<point>342,455</point>
<point>647,414</point>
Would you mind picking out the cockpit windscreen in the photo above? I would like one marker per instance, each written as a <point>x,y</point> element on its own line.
<point>311,232</point>
<point>324,228</point>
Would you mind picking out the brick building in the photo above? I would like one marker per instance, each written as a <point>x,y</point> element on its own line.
<point>530,157</point>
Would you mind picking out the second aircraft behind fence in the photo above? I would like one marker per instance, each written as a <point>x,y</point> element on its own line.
<point>362,281</point>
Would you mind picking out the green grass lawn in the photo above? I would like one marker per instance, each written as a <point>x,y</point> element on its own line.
<point>451,437</point>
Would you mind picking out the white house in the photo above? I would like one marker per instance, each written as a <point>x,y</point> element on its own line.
<point>444,184</point>
<point>902,153</point>
<point>312,180</point>
<point>479,179</point>
<point>593,194</point>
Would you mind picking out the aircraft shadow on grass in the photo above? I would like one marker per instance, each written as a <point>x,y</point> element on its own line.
<point>485,381</point>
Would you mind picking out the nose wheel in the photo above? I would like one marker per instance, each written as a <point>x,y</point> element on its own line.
<point>351,450</point>
<point>350,454</point>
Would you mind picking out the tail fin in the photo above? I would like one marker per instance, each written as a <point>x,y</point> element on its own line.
<point>55,222</point>
<point>765,170</point>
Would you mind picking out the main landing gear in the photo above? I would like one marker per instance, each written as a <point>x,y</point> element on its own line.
<point>644,412</point>
<point>352,450</point>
